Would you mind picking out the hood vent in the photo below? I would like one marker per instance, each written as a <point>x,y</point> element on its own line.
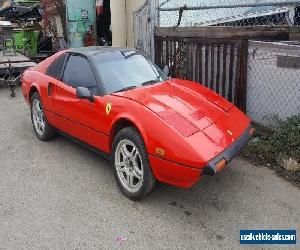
<point>179,123</point>
<point>219,101</point>
<point>198,115</point>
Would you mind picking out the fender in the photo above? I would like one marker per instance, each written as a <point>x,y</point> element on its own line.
<point>31,90</point>
<point>131,119</point>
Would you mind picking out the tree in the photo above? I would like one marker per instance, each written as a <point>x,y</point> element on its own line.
<point>52,8</point>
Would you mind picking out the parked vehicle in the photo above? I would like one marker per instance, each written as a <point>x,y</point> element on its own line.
<point>151,127</point>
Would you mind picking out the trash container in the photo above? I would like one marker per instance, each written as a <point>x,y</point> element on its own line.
<point>26,41</point>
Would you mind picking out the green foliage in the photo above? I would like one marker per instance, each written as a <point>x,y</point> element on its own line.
<point>285,141</point>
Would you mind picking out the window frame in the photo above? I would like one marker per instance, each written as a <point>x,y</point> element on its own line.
<point>63,68</point>
<point>94,72</point>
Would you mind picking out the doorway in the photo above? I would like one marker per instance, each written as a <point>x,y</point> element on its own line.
<point>103,23</point>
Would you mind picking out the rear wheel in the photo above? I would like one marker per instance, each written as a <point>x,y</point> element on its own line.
<point>42,128</point>
<point>131,165</point>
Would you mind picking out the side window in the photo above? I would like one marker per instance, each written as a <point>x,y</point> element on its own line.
<point>78,73</point>
<point>56,68</point>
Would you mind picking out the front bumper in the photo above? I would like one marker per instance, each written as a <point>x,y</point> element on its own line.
<point>211,169</point>
<point>184,176</point>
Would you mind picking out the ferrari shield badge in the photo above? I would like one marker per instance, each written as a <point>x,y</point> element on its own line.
<point>108,108</point>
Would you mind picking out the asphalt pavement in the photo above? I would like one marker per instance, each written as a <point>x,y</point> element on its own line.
<point>59,195</point>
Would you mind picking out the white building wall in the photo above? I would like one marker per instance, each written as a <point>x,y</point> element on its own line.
<point>122,21</point>
<point>118,23</point>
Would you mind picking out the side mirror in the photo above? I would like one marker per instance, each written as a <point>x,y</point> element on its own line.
<point>84,93</point>
<point>167,70</point>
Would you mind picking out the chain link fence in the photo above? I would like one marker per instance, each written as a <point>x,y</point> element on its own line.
<point>142,28</point>
<point>144,21</point>
<point>229,13</point>
<point>273,68</point>
<point>273,85</point>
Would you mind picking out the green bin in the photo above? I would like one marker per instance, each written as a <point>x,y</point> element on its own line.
<point>26,40</point>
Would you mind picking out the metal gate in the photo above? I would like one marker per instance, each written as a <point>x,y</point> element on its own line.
<point>220,64</point>
<point>145,19</point>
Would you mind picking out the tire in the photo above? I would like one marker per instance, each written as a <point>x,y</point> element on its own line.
<point>42,128</point>
<point>132,171</point>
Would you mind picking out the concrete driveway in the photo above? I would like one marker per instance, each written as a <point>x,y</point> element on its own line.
<point>58,195</point>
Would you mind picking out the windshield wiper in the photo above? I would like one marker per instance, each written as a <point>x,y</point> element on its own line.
<point>125,89</point>
<point>151,82</point>
<point>143,84</point>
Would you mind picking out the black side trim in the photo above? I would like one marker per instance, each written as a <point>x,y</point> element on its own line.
<point>83,144</point>
<point>229,153</point>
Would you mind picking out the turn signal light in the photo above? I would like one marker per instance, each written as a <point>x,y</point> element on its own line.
<point>220,165</point>
<point>160,152</point>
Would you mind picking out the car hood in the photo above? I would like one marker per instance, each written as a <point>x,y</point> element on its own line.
<point>184,104</point>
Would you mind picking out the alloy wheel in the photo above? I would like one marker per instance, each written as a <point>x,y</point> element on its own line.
<point>129,166</point>
<point>38,117</point>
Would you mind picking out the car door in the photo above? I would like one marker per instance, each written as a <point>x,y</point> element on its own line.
<point>77,117</point>
<point>53,77</point>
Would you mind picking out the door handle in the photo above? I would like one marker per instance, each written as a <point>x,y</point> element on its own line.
<point>50,88</point>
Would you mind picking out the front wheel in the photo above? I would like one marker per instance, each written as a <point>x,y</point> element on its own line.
<point>131,165</point>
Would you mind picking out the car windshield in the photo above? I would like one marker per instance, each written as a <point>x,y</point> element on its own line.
<point>122,71</point>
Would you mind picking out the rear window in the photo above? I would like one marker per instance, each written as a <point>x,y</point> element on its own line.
<point>56,68</point>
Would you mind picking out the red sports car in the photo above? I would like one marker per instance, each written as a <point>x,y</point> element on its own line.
<point>151,127</point>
